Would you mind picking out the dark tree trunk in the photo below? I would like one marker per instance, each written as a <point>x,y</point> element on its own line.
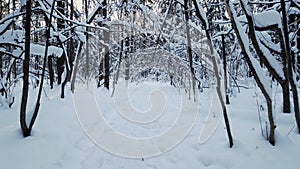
<point>285,85</point>
<point>106,50</point>
<point>60,25</point>
<point>68,75</point>
<point>71,58</point>
<point>77,57</point>
<point>63,85</point>
<point>1,66</point>
<point>24,127</point>
<point>51,71</point>
<point>298,55</point>
<point>189,44</point>
<point>15,69</point>
<point>286,97</point>
<point>225,69</point>
<point>289,62</point>
<point>87,52</point>
<point>127,65</point>
<point>60,68</point>
<point>71,43</point>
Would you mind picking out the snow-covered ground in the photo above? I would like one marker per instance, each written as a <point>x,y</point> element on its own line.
<point>58,140</point>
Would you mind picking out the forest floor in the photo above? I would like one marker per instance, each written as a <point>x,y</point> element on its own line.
<point>58,140</point>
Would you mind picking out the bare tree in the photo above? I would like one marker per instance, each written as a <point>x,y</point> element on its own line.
<point>24,127</point>
<point>205,23</point>
<point>189,44</point>
<point>253,66</point>
<point>106,47</point>
<point>27,129</point>
<point>291,77</point>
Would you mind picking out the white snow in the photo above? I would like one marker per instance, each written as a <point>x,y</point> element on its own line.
<point>36,49</point>
<point>267,18</point>
<point>58,141</point>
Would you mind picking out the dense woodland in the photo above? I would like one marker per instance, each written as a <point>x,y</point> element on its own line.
<point>190,44</point>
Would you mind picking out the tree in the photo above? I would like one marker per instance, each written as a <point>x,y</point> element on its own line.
<point>106,47</point>
<point>291,77</point>
<point>25,129</point>
<point>201,15</point>
<point>254,66</point>
<point>189,44</point>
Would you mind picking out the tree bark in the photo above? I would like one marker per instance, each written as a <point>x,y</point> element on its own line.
<point>71,43</point>
<point>1,66</point>
<point>77,58</point>
<point>60,25</point>
<point>51,71</point>
<point>289,62</point>
<point>225,69</point>
<point>106,48</point>
<point>285,85</point>
<point>68,76</point>
<point>127,65</point>
<point>189,45</point>
<point>24,127</point>
<point>60,68</point>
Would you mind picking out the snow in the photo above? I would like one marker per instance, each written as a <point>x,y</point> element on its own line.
<point>58,141</point>
<point>37,49</point>
<point>149,125</point>
<point>268,18</point>
<point>12,36</point>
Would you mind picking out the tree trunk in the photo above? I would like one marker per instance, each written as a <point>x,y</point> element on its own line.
<point>51,71</point>
<point>71,43</point>
<point>87,52</point>
<point>225,69</point>
<point>60,25</point>
<point>271,121</point>
<point>289,62</point>
<point>63,85</point>
<point>286,97</point>
<point>77,59</point>
<point>1,66</point>
<point>24,127</point>
<point>127,64</point>
<point>189,45</point>
<point>285,85</point>
<point>60,68</point>
<point>106,46</point>
<point>87,55</point>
